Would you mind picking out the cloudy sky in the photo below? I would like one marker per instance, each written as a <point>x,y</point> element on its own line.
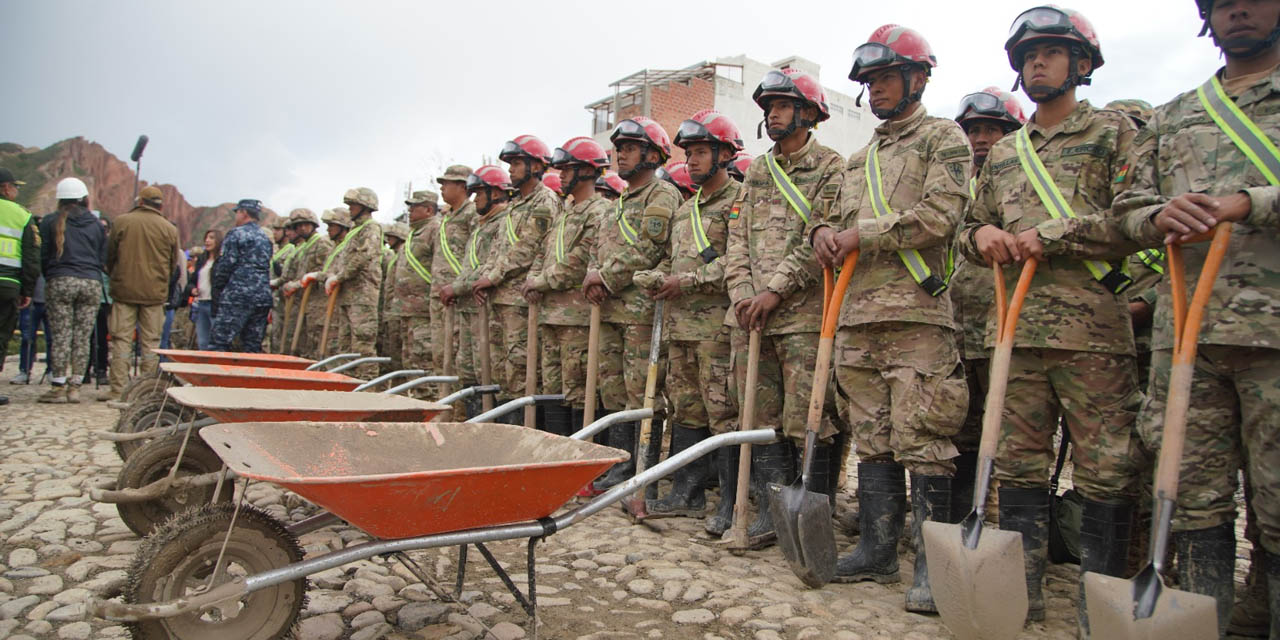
<point>293,102</point>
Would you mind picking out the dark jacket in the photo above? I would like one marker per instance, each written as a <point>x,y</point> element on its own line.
<point>84,249</point>
<point>241,274</point>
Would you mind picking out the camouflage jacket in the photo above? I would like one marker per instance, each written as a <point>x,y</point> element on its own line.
<point>972,292</point>
<point>1066,308</point>
<point>924,167</point>
<point>524,232</point>
<point>1181,150</point>
<point>451,248</point>
<point>309,257</point>
<point>558,273</point>
<point>633,237</point>
<point>241,272</point>
<point>482,247</point>
<point>358,266</point>
<point>698,314</point>
<point>410,289</point>
<point>768,249</point>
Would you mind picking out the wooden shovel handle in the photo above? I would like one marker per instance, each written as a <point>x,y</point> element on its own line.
<point>833,298</point>
<point>486,367</point>
<point>593,366</point>
<point>328,316</point>
<point>1007,324</point>
<point>297,325</point>
<point>531,366</point>
<point>737,535</point>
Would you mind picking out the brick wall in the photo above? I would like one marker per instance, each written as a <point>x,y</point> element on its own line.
<point>673,103</point>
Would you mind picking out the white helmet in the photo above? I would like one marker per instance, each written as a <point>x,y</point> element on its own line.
<point>72,189</point>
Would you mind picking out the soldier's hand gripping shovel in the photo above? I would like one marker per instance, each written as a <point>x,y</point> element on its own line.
<point>803,516</point>
<point>297,325</point>
<point>978,577</point>
<point>1144,607</point>
<point>736,538</point>
<point>634,505</point>
<point>328,316</point>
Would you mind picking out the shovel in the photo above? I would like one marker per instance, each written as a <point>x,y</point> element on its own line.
<point>284,326</point>
<point>328,316</point>
<point>634,505</point>
<point>297,325</point>
<point>447,356</point>
<point>802,516</point>
<point>1144,607</point>
<point>593,365</point>
<point>978,577</point>
<point>486,368</point>
<point>736,537</point>
<point>531,367</point>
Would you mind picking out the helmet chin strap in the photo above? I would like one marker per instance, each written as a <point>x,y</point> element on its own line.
<point>716,166</point>
<point>906,101</point>
<point>577,177</point>
<point>1040,94</point>
<point>528,172</point>
<point>797,122</point>
<point>1253,47</point>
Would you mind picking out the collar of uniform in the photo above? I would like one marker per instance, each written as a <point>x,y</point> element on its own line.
<point>1253,94</point>
<point>642,191</point>
<point>420,225</point>
<point>797,158</point>
<point>582,205</point>
<point>718,193</point>
<point>891,131</point>
<point>1075,123</point>
<point>520,199</point>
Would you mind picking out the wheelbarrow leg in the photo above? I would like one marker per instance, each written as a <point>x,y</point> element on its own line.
<point>462,571</point>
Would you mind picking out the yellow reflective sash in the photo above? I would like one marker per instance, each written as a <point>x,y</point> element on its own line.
<point>343,245</point>
<point>512,238</point>
<point>413,261</point>
<point>782,181</point>
<point>1240,128</point>
<point>1115,280</point>
<point>302,248</point>
<point>628,232</point>
<point>700,242</point>
<point>916,266</point>
<point>1153,258</point>
<point>284,253</point>
<point>449,258</point>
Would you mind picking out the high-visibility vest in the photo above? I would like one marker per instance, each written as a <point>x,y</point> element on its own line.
<point>782,181</point>
<point>13,219</point>
<point>705,250</point>
<point>911,258</point>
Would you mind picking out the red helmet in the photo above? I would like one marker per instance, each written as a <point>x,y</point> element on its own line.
<point>646,130</point>
<point>1050,22</point>
<point>738,168</point>
<point>792,83</point>
<point>993,104</point>
<point>611,182</point>
<point>525,146</point>
<point>580,150</point>
<point>677,173</point>
<point>890,46</point>
<point>711,126</point>
<point>552,180</point>
<point>490,176</point>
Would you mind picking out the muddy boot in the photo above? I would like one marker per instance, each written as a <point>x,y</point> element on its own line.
<point>1273,590</point>
<point>1206,565</point>
<point>1251,616</point>
<point>556,420</point>
<point>57,394</point>
<point>1027,512</point>
<point>727,468</point>
<point>654,454</point>
<point>770,464</point>
<point>930,501</point>
<point>882,508</point>
<point>621,436</point>
<point>962,485</point>
<point>73,393</point>
<point>472,406</point>
<point>687,496</point>
<point>1105,531</point>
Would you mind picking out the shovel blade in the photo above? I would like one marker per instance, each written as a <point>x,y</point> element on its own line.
<point>981,593</point>
<point>805,535</point>
<point>1178,615</point>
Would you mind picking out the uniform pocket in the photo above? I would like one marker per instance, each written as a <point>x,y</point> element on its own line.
<point>943,401</point>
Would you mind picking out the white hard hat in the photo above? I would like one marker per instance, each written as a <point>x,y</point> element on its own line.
<point>72,189</point>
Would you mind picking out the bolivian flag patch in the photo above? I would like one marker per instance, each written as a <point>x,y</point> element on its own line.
<point>733,213</point>
<point>1122,174</point>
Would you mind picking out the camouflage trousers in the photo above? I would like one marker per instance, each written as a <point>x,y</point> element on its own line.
<point>415,343</point>
<point>1231,424</point>
<point>511,347</point>
<point>149,321</point>
<point>357,333</point>
<point>564,362</point>
<point>700,384</point>
<point>785,384</point>
<point>72,305</point>
<point>312,324</point>
<point>435,322</point>
<point>275,329</point>
<point>977,376</point>
<point>391,342</point>
<point>624,366</point>
<point>464,364</point>
<point>902,385</point>
<point>249,324</point>
<point>1098,395</point>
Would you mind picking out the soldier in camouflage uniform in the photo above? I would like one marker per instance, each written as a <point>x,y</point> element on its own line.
<point>312,250</point>
<point>286,245</point>
<point>775,285</point>
<point>1190,172</point>
<point>337,226</point>
<point>554,280</point>
<point>691,280</point>
<point>1073,353</point>
<point>986,117</point>
<point>633,238</point>
<point>410,283</point>
<point>525,225</point>
<point>242,275</point>
<point>389,330</point>
<point>358,268</point>
<point>450,253</point>
<point>897,366</point>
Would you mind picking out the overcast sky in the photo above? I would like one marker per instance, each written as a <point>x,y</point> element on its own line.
<point>293,102</point>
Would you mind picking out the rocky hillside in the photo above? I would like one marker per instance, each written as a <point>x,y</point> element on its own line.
<point>110,181</point>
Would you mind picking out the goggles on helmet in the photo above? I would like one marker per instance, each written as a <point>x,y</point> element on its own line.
<point>983,104</point>
<point>560,157</point>
<point>873,54</point>
<point>631,129</point>
<point>779,82</point>
<point>510,150</point>
<point>1042,20</point>
<point>693,131</point>
<point>474,182</point>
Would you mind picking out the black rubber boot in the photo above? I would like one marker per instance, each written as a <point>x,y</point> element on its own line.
<point>1251,615</point>
<point>772,463</point>
<point>687,496</point>
<point>727,468</point>
<point>1105,531</point>
<point>962,485</point>
<point>557,420</point>
<point>621,436</point>
<point>653,455</point>
<point>540,415</point>
<point>1027,512</point>
<point>1206,565</point>
<point>1273,591</point>
<point>882,510</point>
<point>930,501</point>
<point>473,406</point>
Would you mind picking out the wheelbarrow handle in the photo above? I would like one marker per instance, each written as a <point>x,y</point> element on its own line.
<point>418,382</point>
<point>512,405</point>
<point>320,364</point>
<point>359,361</point>
<point>468,392</point>
<point>402,373</point>
<point>610,420</point>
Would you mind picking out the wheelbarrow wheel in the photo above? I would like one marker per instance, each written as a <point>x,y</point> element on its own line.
<point>144,385</point>
<point>152,462</point>
<point>140,417</point>
<point>180,556</point>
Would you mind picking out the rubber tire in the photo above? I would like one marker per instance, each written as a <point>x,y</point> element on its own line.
<point>145,385</point>
<point>141,416</point>
<point>152,462</point>
<point>187,545</point>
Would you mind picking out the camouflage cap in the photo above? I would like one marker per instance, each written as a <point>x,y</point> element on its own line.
<point>1137,109</point>
<point>455,173</point>
<point>397,230</point>
<point>340,216</point>
<point>362,196</point>
<point>423,197</point>
<point>298,216</point>
<point>280,222</point>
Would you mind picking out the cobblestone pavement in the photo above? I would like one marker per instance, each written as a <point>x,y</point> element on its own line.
<point>602,578</point>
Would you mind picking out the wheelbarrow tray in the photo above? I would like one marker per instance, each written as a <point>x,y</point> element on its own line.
<point>273,360</point>
<point>223,375</point>
<point>402,480</point>
<point>290,405</point>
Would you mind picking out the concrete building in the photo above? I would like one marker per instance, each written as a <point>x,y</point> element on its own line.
<point>671,96</point>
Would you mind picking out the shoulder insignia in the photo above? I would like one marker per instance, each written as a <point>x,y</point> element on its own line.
<point>956,170</point>
<point>1092,149</point>
<point>951,153</point>
<point>1122,174</point>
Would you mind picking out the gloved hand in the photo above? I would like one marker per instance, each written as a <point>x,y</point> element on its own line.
<point>330,285</point>
<point>310,278</point>
<point>275,283</point>
<point>290,288</point>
